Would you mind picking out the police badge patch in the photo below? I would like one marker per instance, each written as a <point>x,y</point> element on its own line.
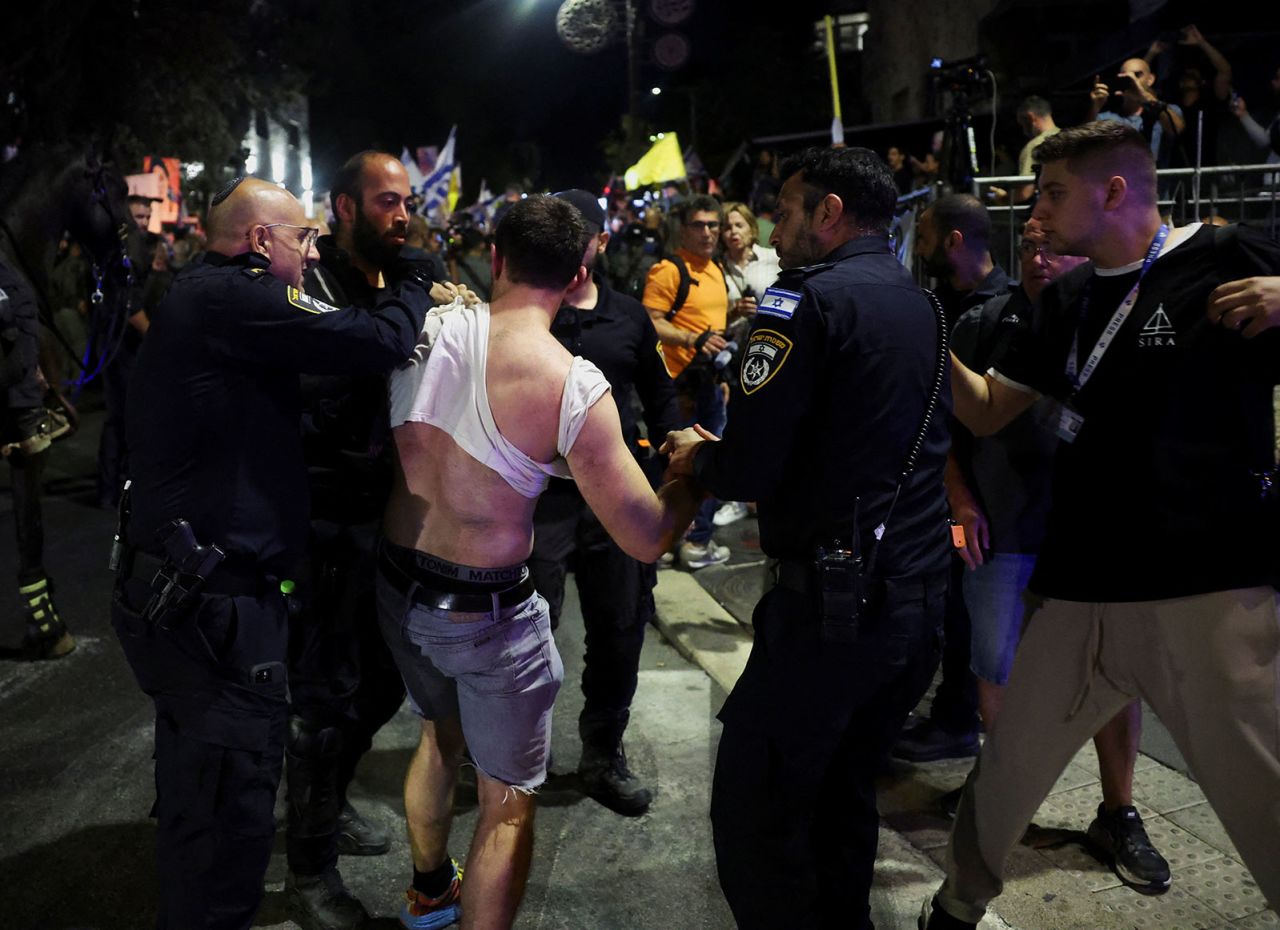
<point>309,304</point>
<point>766,351</point>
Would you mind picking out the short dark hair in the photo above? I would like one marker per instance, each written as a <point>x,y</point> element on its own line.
<point>541,241</point>
<point>1037,105</point>
<point>1103,146</point>
<point>963,213</point>
<point>347,179</point>
<point>702,203</point>
<point>858,176</point>
<point>133,199</point>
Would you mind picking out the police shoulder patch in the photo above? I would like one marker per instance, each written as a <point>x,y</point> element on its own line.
<point>778,302</point>
<point>767,350</point>
<point>309,304</point>
<point>254,272</point>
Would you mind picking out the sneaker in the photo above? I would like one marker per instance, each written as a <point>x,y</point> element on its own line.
<point>730,512</point>
<point>925,741</point>
<point>322,902</point>
<point>609,780</point>
<point>1120,835</point>
<point>359,837</point>
<point>932,917</point>
<point>423,913</point>
<point>694,556</point>
<point>666,560</point>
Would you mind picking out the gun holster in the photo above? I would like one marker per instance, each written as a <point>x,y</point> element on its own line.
<point>186,568</point>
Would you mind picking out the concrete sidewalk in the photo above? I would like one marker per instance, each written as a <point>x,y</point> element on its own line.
<point>1053,881</point>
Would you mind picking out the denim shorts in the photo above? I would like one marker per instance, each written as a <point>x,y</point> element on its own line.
<point>499,673</point>
<point>995,594</point>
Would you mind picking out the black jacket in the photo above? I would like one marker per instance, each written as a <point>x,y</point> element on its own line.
<point>215,403</point>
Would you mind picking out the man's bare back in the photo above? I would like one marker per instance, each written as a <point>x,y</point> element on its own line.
<point>447,503</point>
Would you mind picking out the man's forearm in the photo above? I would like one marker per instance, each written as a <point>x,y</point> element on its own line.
<point>671,335</point>
<point>680,500</point>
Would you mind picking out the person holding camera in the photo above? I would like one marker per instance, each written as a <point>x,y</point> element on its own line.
<point>841,435</point>
<point>1135,103</point>
<point>688,301</point>
<point>215,524</point>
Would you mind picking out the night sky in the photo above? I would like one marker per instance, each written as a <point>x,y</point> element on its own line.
<point>525,104</point>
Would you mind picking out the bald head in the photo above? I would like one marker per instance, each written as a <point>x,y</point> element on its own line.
<point>254,202</point>
<point>263,218</point>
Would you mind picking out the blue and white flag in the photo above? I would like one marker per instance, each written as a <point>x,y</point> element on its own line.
<point>435,189</point>
<point>416,176</point>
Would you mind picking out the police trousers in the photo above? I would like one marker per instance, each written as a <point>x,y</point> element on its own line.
<point>793,803</point>
<point>616,593</point>
<point>344,687</point>
<point>1209,666</point>
<point>217,678</point>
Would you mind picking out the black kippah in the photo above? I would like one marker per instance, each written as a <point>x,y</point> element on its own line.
<point>226,191</point>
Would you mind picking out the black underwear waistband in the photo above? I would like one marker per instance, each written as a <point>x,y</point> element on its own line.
<point>437,574</point>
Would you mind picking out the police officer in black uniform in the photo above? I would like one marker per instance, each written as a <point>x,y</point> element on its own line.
<point>215,527</point>
<point>843,379</point>
<point>614,332</point>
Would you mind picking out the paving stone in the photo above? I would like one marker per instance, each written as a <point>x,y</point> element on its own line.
<point>1173,909</point>
<point>1162,789</point>
<point>1075,776</point>
<point>1224,885</point>
<point>1179,847</point>
<point>1076,861</point>
<point>1267,920</point>
<point>1069,810</point>
<point>1200,820</point>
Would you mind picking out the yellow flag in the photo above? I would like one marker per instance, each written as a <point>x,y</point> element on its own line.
<point>455,187</point>
<point>661,163</point>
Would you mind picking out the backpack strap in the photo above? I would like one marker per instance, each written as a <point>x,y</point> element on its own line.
<point>682,289</point>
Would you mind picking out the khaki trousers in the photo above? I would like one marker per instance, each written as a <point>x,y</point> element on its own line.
<point>1208,665</point>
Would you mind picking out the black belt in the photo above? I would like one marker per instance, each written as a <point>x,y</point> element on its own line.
<point>474,602</point>
<point>228,579</point>
<point>802,578</point>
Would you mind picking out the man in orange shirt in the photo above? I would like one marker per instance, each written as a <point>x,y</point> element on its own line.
<point>688,302</point>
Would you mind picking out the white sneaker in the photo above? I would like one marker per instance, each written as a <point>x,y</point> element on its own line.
<point>730,512</point>
<point>695,555</point>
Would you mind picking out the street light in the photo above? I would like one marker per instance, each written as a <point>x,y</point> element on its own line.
<point>656,91</point>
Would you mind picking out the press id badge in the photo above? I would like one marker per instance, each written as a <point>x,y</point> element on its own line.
<point>1069,423</point>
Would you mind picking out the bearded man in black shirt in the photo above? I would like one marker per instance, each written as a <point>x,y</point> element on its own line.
<point>1160,559</point>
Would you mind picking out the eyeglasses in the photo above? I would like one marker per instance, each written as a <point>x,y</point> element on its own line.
<point>307,235</point>
<point>1028,249</point>
<point>708,225</point>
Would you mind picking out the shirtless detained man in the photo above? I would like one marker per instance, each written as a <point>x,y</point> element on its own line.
<point>496,407</point>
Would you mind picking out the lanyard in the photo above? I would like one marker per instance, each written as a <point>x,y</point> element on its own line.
<point>1078,380</point>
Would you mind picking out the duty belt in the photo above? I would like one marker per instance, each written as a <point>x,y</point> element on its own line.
<point>471,602</point>
<point>230,580</point>
<point>802,578</point>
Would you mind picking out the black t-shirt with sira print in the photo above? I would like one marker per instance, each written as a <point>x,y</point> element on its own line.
<point>1159,494</point>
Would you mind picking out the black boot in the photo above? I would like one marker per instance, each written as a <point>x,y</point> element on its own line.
<point>311,776</point>
<point>46,636</point>
<point>359,837</point>
<point>322,902</point>
<point>603,770</point>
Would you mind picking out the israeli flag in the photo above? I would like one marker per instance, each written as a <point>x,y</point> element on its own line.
<point>435,189</point>
<point>780,303</point>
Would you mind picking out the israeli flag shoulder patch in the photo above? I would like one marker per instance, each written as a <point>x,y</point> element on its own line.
<point>778,302</point>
